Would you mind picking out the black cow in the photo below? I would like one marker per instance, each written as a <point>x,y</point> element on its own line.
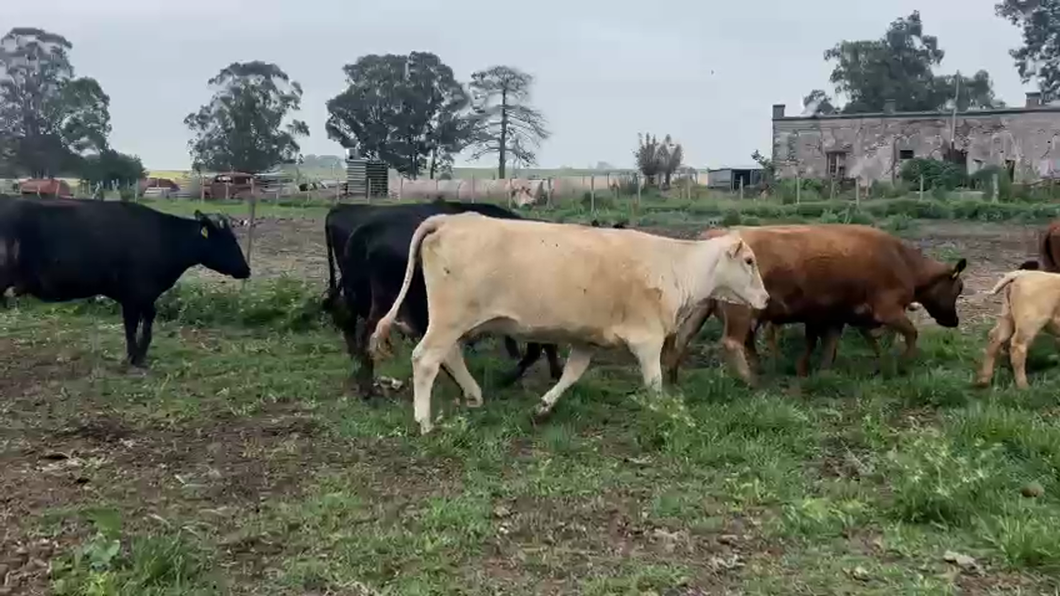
<point>372,265</point>
<point>66,249</point>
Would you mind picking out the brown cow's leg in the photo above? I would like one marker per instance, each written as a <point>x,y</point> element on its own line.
<point>737,339</point>
<point>890,314</point>
<point>830,347</point>
<point>674,352</point>
<point>998,337</point>
<point>813,333</point>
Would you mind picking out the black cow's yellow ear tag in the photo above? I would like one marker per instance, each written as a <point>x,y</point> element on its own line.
<point>204,233</point>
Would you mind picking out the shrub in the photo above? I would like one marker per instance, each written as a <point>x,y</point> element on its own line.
<point>936,173</point>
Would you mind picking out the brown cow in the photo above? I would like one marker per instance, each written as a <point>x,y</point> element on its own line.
<point>1048,251</point>
<point>827,276</point>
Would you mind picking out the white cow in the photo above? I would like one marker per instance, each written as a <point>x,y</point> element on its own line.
<point>590,287</point>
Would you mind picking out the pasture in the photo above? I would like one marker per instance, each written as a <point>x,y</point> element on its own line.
<point>240,463</point>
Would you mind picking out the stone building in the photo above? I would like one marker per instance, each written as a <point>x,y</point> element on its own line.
<point>870,147</point>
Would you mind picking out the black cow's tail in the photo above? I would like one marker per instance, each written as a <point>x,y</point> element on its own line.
<point>333,288</point>
<point>382,329</point>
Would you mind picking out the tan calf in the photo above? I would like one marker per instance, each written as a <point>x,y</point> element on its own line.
<point>1031,302</point>
<point>590,287</point>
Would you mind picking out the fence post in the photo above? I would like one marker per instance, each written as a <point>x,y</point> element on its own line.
<point>857,192</point>
<point>997,189</point>
<point>638,193</point>
<point>798,188</point>
<point>592,194</point>
<point>250,232</point>
<point>921,187</point>
<point>473,199</point>
<point>548,192</point>
<point>368,190</point>
<point>741,189</point>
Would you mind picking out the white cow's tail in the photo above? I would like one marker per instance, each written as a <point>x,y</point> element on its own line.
<point>377,342</point>
<point>1009,278</point>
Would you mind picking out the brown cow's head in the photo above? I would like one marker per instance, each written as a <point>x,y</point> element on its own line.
<point>939,297</point>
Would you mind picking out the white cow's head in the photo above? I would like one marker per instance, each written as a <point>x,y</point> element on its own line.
<point>737,275</point>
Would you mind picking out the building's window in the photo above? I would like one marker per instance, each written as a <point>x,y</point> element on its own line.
<point>905,154</point>
<point>837,164</point>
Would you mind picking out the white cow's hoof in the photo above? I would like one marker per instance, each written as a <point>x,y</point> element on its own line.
<point>542,412</point>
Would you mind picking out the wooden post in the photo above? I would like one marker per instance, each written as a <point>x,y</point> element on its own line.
<point>921,187</point>
<point>473,199</point>
<point>592,194</point>
<point>250,232</point>
<point>368,190</point>
<point>401,188</point>
<point>548,192</point>
<point>638,193</point>
<point>997,189</point>
<point>798,188</point>
<point>741,189</point>
<point>857,192</point>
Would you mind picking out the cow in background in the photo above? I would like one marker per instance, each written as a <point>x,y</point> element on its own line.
<point>1048,251</point>
<point>827,276</point>
<point>67,249</point>
<point>1031,303</point>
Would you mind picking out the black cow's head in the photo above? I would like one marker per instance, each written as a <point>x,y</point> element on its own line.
<point>221,250</point>
<point>940,296</point>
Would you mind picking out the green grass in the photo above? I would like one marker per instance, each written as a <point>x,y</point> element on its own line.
<point>895,215</point>
<point>240,464</point>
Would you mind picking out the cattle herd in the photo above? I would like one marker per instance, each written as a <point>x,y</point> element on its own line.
<point>453,272</point>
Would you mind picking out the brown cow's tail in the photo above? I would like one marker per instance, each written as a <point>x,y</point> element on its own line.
<point>1048,259</point>
<point>1005,281</point>
<point>376,343</point>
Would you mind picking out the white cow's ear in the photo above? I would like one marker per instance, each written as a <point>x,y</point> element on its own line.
<point>734,249</point>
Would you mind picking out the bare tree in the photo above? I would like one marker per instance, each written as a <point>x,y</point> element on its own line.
<point>506,124</point>
<point>655,158</point>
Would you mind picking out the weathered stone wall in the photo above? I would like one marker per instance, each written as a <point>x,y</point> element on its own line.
<point>1030,138</point>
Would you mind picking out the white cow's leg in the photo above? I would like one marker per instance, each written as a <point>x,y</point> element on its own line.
<point>454,361</point>
<point>648,354</point>
<point>577,361</point>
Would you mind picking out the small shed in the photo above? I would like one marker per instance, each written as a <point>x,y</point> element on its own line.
<point>732,178</point>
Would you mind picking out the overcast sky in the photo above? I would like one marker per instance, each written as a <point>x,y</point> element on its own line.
<point>705,72</point>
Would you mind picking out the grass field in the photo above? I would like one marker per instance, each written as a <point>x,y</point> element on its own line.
<point>240,463</point>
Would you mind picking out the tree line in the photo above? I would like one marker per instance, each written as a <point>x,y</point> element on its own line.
<point>411,112</point>
<point>408,111</point>
<point>901,66</point>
